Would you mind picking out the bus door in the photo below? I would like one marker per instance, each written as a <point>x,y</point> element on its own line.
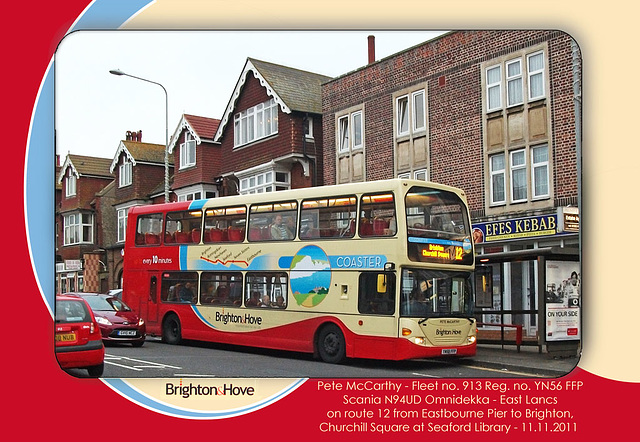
<point>149,309</point>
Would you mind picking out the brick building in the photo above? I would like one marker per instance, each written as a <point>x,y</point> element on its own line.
<point>491,112</point>
<point>197,157</point>
<point>138,168</point>
<point>79,179</point>
<point>271,131</point>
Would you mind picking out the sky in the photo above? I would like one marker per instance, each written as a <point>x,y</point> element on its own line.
<point>199,69</point>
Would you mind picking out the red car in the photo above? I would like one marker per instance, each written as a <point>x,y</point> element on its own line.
<point>77,336</point>
<point>117,322</point>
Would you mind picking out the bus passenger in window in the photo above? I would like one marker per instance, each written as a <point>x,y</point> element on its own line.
<point>235,293</point>
<point>265,301</point>
<point>280,231</point>
<point>279,302</point>
<point>186,293</point>
<point>254,300</point>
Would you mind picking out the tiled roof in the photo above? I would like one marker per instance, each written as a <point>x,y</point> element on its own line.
<point>138,151</point>
<point>94,166</point>
<point>293,89</point>
<point>86,166</point>
<point>147,152</point>
<point>205,127</point>
<point>300,90</point>
<point>202,128</point>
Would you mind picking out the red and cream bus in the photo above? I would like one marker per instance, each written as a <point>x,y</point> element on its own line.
<point>379,269</point>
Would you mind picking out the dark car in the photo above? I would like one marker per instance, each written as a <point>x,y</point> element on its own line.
<point>78,340</point>
<point>118,323</point>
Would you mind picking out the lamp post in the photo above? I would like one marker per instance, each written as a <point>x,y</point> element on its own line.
<point>118,72</point>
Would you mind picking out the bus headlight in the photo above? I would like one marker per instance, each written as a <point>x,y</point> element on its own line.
<point>418,341</point>
<point>471,339</point>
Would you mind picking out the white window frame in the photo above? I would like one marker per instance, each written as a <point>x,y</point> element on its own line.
<point>344,129</point>
<point>122,223</point>
<point>402,115</point>
<point>308,130</point>
<point>266,181</point>
<point>188,152</point>
<point>357,138</point>
<point>419,124</point>
<point>493,173</point>
<point>495,85</point>
<point>536,73</point>
<point>125,173</point>
<point>536,166</point>
<point>71,184</point>
<point>74,229</point>
<point>255,123</point>
<point>514,79</point>
<point>517,168</point>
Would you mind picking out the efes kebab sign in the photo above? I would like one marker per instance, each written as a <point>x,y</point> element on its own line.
<point>529,227</point>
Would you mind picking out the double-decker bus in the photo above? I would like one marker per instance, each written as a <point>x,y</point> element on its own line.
<point>380,269</point>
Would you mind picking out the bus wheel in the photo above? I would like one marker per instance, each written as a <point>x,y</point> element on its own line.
<point>331,345</point>
<point>171,333</point>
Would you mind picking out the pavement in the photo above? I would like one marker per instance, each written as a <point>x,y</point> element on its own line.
<point>528,360</point>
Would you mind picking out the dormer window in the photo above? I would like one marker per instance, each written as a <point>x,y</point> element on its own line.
<point>125,173</point>
<point>71,184</point>
<point>188,151</point>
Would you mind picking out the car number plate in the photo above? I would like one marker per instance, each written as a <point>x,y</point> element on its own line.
<point>126,333</point>
<point>449,351</point>
<point>66,337</point>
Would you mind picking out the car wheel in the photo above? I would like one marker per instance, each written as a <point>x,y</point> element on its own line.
<point>171,332</point>
<point>331,344</point>
<point>96,371</point>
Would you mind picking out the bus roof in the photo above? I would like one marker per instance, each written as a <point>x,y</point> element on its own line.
<point>394,184</point>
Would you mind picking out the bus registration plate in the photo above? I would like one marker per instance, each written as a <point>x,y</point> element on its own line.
<point>449,351</point>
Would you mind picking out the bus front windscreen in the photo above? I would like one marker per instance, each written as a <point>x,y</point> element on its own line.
<point>432,293</point>
<point>438,229</point>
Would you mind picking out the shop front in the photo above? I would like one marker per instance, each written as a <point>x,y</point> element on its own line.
<point>527,282</point>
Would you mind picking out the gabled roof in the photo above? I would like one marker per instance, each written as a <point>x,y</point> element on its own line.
<point>293,89</point>
<point>137,151</point>
<point>85,166</point>
<point>201,128</point>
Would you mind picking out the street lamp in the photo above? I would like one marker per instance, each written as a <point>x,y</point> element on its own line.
<point>118,72</point>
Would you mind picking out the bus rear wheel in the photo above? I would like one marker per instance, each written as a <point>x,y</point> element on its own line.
<point>331,344</point>
<point>171,330</point>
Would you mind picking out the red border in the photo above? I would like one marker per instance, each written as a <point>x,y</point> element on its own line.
<point>35,387</point>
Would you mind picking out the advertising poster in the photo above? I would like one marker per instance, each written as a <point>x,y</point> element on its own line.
<point>414,400</point>
<point>562,299</point>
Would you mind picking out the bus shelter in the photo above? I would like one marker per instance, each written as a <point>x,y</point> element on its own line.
<point>530,297</point>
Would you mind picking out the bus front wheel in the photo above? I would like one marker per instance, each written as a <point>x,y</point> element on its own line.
<point>331,344</point>
<point>171,332</point>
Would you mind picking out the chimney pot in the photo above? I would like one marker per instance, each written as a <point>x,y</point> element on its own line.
<point>372,48</point>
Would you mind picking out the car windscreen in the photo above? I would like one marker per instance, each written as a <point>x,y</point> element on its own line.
<point>101,304</point>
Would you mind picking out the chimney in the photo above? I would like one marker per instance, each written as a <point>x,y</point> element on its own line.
<point>128,136</point>
<point>139,135</point>
<point>372,48</point>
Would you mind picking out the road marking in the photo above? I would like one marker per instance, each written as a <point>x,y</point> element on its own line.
<point>425,375</point>
<point>504,370</point>
<point>109,359</point>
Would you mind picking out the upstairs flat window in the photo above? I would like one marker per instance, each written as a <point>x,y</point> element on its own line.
<point>188,152</point>
<point>71,184</point>
<point>125,174</point>
<point>257,122</point>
